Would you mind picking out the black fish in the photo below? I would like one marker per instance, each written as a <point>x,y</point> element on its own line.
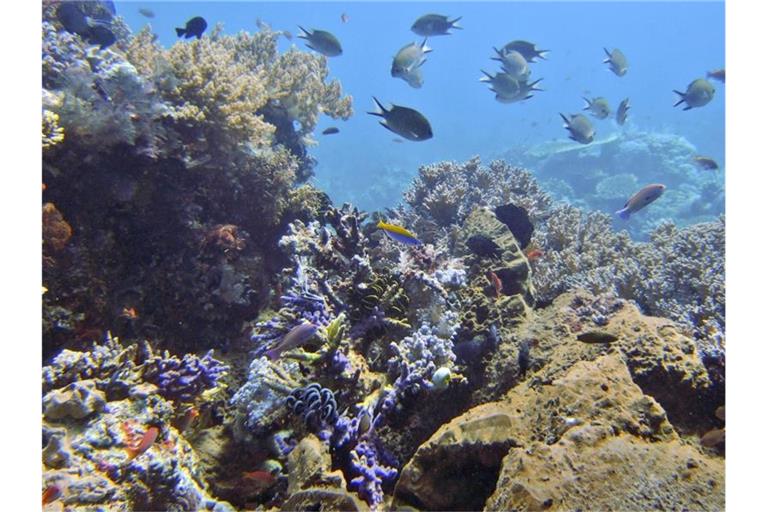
<point>330,131</point>
<point>73,19</point>
<point>147,13</point>
<point>403,121</point>
<point>484,246</point>
<point>518,222</point>
<point>101,36</point>
<point>526,49</point>
<point>194,27</point>
<point>434,25</point>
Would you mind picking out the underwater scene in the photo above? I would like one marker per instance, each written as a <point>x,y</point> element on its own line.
<point>383,256</point>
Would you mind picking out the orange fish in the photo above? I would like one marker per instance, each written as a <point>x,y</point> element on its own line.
<point>534,254</point>
<point>146,442</point>
<point>51,494</point>
<point>496,282</point>
<point>189,416</point>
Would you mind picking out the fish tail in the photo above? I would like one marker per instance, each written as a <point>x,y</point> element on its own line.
<point>542,54</point>
<point>623,213</point>
<point>455,23</point>
<point>682,97</point>
<point>180,32</point>
<point>567,123</point>
<point>424,47</point>
<point>532,86</point>
<point>382,110</point>
<point>305,34</point>
<point>588,105</point>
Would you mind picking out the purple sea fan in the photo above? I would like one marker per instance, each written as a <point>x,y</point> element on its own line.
<point>182,380</point>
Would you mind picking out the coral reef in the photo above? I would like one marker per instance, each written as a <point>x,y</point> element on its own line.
<point>280,352</point>
<point>97,412</point>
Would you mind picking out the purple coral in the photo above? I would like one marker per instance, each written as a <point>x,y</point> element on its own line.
<point>182,380</point>
<point>371,474</point>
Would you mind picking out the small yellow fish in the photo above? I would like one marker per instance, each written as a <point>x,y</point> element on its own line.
<point>398,233</point>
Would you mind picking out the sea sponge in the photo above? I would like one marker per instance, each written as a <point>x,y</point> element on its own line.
<point>56,230</point>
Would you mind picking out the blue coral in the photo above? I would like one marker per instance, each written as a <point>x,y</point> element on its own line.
<point>372,475</point>
<point>183,380</point>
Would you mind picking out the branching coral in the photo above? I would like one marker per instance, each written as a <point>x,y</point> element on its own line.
<point>221,83</point>
<point>52,132</point>
<point>446,192</point>
<point>182,380</point>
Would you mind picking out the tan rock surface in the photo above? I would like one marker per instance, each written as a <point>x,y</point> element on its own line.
<point>590,428</point>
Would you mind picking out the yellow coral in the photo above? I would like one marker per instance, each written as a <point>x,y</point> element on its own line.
<point>220,83</point>
<point>52,132</point>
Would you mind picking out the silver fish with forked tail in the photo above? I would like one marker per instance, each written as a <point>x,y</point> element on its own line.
<point>295,338</point>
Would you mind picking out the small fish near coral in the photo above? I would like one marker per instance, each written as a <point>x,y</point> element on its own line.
<point>699,93</point>
<point>398,233</point>
<point>296,337</point>
<point>194,27</point>
<point>51,494</point>
<point>616,61</point>
<point>579,128</point>
<point>145,444</point>
<point>704,162</point>
<point>321,41</point>
<point>403,121</point>
<point>621,112</point>
<point>147,13</point>
<point>641,199</point>
<point>330,131</point>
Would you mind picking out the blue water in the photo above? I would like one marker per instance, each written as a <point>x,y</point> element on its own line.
<point>667,44</point>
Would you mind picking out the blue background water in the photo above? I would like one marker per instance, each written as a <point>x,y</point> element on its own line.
<point>667,46</point>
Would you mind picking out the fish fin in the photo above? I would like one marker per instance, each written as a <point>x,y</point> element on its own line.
<point>454,23</point>
<point>532,85</point>
<point>541,54</point>
<point>424,47</point>
<point>588,105</point>
<point>486,78</point>
<point>498,52</point>
<point>573,138</point>
<point>385,125</point>
<point>528,97</point>
<point>623,213</point>
<point>607,53</point>
<point>567,123</point>
<point>682,98</point>
<point>180,32</point>
<point>688,107</point>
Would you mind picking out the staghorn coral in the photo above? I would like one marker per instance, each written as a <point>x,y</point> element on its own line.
<point>182,380</point>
